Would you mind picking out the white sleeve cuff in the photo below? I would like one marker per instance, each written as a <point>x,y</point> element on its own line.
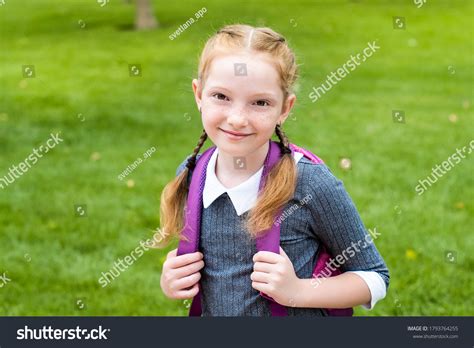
<point>376,286</point>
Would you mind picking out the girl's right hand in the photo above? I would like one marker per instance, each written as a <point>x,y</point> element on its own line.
<point>180,275</point>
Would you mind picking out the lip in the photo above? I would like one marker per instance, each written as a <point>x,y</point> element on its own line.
<point>234,135</point>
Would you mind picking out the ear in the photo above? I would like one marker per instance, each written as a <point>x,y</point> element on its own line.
<point>286,108</point>
<point>197,90</point>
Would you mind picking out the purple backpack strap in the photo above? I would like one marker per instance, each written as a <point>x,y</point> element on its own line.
<point>270,239</point>
<point>192,219</point>
<point>306,153</point>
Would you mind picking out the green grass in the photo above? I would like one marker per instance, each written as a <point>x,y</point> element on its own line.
<point>85,71</point>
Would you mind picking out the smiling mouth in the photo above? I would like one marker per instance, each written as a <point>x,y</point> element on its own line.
<point>235,133</point>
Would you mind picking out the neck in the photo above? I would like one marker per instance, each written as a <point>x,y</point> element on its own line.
<point>232,170</point>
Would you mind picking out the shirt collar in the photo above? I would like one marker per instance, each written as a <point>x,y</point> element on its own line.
<point>243,196</point>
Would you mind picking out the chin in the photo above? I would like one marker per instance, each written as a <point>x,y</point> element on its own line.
<point>234,149</point>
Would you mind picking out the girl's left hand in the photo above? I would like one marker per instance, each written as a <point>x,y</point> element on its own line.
<point>275,276</point>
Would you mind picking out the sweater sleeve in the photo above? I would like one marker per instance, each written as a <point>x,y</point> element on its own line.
<point>337,224</point>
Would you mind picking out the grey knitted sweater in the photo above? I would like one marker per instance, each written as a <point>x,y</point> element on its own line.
<point>329,217</point>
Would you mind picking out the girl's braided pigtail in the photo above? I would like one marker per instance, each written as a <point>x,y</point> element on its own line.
<point>173,201</point>
<point>278,190</point>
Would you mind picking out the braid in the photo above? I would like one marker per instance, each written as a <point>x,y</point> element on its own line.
<point>284,142</point>
<point>192,160</point>
<point>279,189</point>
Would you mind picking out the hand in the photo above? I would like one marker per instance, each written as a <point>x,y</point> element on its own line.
<point>180,275</point>
<point>275,276</point>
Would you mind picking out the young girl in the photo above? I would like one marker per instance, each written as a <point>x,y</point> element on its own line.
<point>244,93</point>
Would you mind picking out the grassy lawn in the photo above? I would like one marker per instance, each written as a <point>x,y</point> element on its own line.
<point>82,88</point>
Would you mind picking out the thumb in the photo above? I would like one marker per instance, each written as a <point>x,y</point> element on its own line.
<point>172,253</point>
<point>282,253</point>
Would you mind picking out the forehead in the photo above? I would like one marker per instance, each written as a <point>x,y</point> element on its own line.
<point>246,72</point>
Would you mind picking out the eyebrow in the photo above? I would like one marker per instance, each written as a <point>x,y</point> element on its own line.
<point>256,95</point>
<point>219,87</point>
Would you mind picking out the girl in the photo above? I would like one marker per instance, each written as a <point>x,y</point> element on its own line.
<point>244,94</point>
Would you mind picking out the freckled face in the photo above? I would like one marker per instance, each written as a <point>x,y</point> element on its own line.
<point>241,104</point>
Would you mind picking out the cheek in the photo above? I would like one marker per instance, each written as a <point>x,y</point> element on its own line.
<point>265,121</point>
<point>211,109</point>
<point>266,133</point>
<point>212,116</point>
<point>211,119</point>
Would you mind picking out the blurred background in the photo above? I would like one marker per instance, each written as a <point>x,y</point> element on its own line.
<point>113,78</point>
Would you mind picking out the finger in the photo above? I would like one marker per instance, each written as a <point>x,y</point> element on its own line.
<point>266,256</point>
<point>188,270</point>
<point>263,267</point>
<point>260,277</point>
<point>261,287</point>
<point>187,282</point>
<point>184,294</point>
<point>183,260</point>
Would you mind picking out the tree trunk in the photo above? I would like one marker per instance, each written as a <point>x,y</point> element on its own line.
<point>145,19</point>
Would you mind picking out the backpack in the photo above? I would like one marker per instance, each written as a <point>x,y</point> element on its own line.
<point>268,241</point>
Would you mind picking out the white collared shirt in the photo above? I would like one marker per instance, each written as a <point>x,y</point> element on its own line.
<point>244,197</point>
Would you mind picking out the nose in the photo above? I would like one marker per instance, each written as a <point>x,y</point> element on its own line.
<point>237,118</point>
